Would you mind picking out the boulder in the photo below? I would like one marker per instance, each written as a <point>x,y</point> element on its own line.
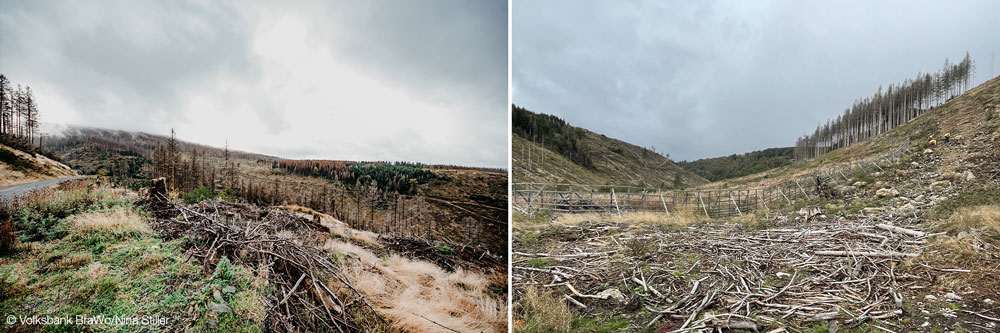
<point>808,212</point>
<point>886,192</point>
<point>928,151</point>
<point>219,307</point>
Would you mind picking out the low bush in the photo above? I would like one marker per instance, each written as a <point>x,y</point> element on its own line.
<point>8,238</point>
<point>198,195</point>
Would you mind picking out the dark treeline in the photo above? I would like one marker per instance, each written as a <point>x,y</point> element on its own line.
<point>739,165</point>
<point>18,113</point>
<point>553,133</point>
<point>462,167</point>
<point>870,116</point>
<point>399,177</point>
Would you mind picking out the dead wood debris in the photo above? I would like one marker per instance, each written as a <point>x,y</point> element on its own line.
<point>315,295</point>
<point>749,279</point>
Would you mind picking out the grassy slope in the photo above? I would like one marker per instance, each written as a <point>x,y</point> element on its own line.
<point>963,116</point>
<point>615,162</point>
<point>18,167</point>
<point>91,252</point>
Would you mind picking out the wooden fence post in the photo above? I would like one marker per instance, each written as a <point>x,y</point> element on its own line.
<point>664,204</point>
<point>703,205</point>
<point>734,203</point>
<point>614,199</point>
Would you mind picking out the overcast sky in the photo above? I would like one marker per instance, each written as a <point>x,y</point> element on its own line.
<point>701,79</point>
<point>359,80</point>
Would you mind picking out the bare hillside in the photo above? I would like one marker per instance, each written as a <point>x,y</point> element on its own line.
<point>18,167</point>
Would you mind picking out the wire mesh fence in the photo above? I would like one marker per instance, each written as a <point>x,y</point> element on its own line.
<point>713,203</point>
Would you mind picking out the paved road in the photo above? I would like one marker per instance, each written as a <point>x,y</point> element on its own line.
<point>13,191</point>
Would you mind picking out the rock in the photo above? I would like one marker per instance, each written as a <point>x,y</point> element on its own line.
<point>782,274</point>
<point>880,184</point>
<point>930,298</point>
<point>907,208</point>
<point>940,184</point>
<point>229,290</point>
<point>928,151</point>
<point>919,198</point>
<point>217,296</point>
<point>844,190</point>
<point>219,307</point>
<point>988,301</point>
<point>952,297</point>
<point>886,192</point>
<point>860,184</point>
<point>612,293</point>
<point>871,210</point>
<point>808,212</point>
<point>969,176</point>
<point>914,164</point>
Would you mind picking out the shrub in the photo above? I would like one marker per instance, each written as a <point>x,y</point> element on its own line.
<point>8,238</point>
<point>198,195</point>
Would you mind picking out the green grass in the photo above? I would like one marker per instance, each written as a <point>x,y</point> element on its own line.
<point>538,262</point>
<point>124,275</point>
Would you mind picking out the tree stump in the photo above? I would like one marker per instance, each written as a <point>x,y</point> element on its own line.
<point>158,189</point>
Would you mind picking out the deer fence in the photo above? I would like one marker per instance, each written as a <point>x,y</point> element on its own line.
<point>713,203</point>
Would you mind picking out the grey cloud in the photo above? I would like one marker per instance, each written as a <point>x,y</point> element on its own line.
<point>138,65</point>
<point>710,78</point>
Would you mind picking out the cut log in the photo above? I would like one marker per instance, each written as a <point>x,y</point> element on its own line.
<point>865,254</point>
<point>893,228</point>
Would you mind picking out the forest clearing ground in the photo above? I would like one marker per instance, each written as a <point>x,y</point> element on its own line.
<point>772,273</point>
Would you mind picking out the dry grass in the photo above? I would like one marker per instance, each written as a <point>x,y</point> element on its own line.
<point>413,295</point>
<point>985,217</point>
<point>72,261</point>
<point>679,218</point>
<point>540,311</point>
<point>117,220</point>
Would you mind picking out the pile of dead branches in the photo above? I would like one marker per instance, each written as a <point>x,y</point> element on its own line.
<point>310,291</point>
<point>736,278</point>
<point>448,255</point>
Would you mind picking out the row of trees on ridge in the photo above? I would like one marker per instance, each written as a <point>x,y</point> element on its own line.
<point>883,111</point>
